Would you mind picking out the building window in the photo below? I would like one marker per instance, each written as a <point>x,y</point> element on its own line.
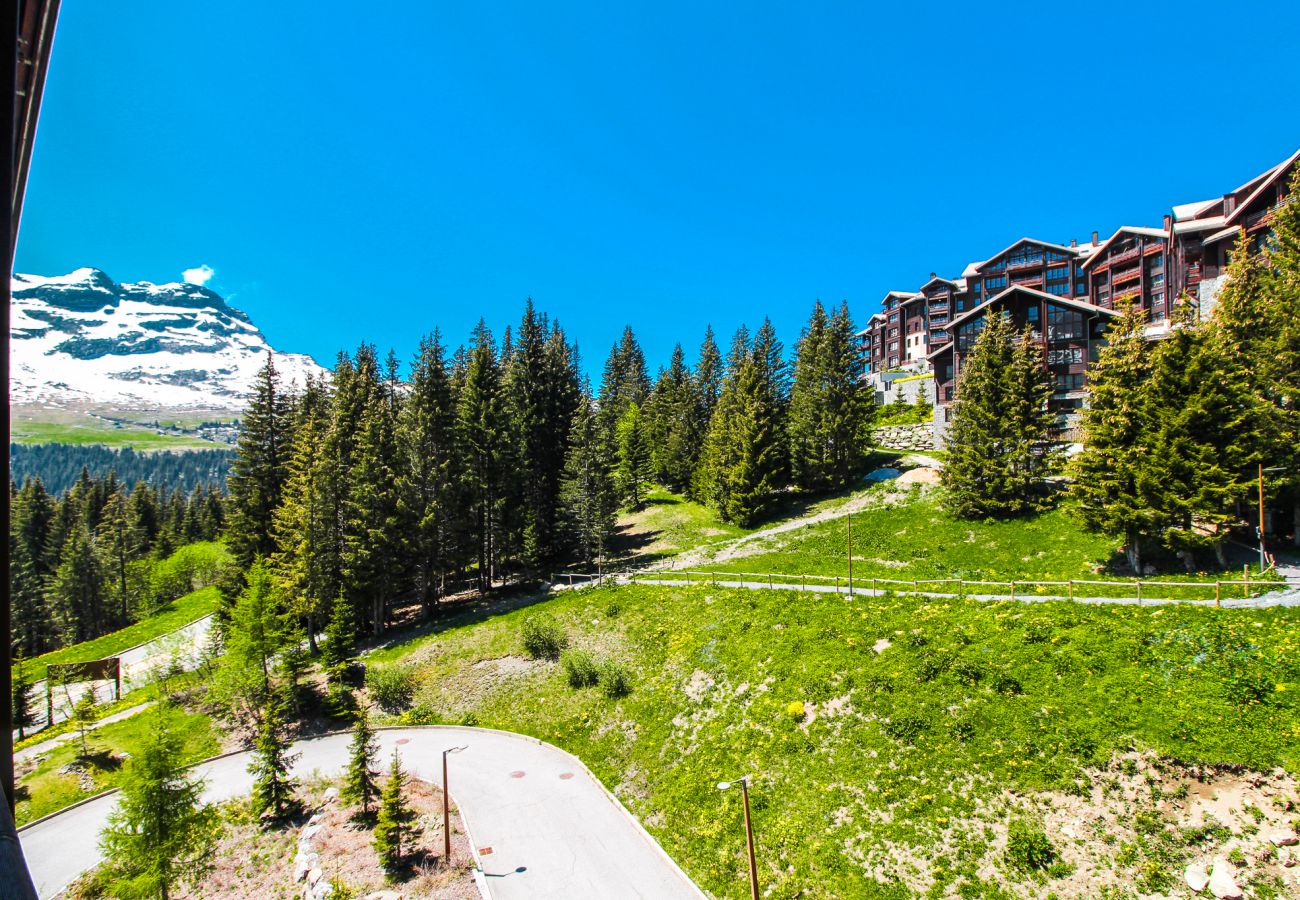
<point>993,284</point>
<point>1032,312</point>
<point>1058,273</point>
<point>1059,288</point>
<point>1063,324</point>
<point>1065,356</point>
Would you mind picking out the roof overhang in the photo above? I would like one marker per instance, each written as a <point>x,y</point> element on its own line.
<point>974,268</point>
<point>1269,178</point>
<point>1123,229</point>
<point>1070,302</point>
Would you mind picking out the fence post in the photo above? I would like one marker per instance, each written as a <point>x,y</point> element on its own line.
<point>874,591</point>
<point>1139,592</point>
<point>769,581</point>
<point>1218,589</point>
<point>1013,590</point>
<point>1245,582</point>
<point>1071,589</point>
<point>837,584</point>
<point>916,591</point>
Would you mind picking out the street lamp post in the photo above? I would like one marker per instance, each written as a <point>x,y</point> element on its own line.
<point>446,808</point>
<point>749,831</point>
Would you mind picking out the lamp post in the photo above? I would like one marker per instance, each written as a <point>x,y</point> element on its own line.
<point>749,831</point>
<point>1262,470</point>
<point>446,808</point>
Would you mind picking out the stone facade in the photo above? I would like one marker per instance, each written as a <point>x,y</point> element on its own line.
<point>904,437</point>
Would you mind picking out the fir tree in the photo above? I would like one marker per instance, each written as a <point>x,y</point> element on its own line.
<point>394,823</point>
<point>672,416</point>
<point>260,468</point>
<point>997,443</point>
<point>77,592</point>
<point>482,428</point>
<point>758,447</point>
<point>427,440</point>
<point>273,797</point>
<point>24,716</point>
<point>359,784</point>
<point>588,494</point>
<point>120,543</point>
<point>708,378</point>
<point>160,833</point>
<point>252,641</point>
<point>625,381</point>
<point>1112,473</point>
<point>633,474</point>
<point>829,410</point>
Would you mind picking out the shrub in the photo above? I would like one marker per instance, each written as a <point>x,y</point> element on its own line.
<point>967,672</point>
<point>391,687</point>
<point>1007,684</point>
<point>1028,847</point>
<point>906,727</point>
<point>543,638</point>
<point>615,680</point>
<point>579,668</point>
<point>613,609</point>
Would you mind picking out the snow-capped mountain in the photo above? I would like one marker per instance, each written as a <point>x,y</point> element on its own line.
<point>84,338</point>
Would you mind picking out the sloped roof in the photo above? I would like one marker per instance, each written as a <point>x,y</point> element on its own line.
<point>1123,229</point>
<point>1265,181</point>
<point>1185,211</point>
<point>1081,305</point>
<point>973,268</point>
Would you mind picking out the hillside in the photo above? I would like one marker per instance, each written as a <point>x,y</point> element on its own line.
<point>82,339</point>
<point>892,742</point>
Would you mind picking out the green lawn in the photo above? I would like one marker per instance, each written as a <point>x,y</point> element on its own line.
<point>914,758</point>
<point>192,606</point>
<point>914,538</point>
<point>45,789</point>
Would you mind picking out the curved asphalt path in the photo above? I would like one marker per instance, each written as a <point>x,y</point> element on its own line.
<point>542,825</point>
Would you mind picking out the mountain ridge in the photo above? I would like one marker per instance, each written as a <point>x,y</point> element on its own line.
<point>84,338</point>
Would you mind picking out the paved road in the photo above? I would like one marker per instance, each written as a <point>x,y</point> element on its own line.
<point>1289,596</point>
<point>552,829</point>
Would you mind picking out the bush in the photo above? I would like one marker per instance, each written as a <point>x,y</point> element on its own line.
<point>1028,847</point>
<point>615,680</point>
<point>543,638</point>
<point>580,669</point>
<point>796,711</point>
<point>392,688</point>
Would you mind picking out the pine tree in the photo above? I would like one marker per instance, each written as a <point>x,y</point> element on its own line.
<point>997,443</point>
<point>633,473</point>
<point>588,493</point>
<point>24,716</point>
<point>302,564</point>
<point>708,377</point>
<point>273,798</point>
<point>260,468</point>
<point>359,784</point>
<point>829,408</point>
<point>1112,473</point>
<point>719,455</point>
<point>160,833</point>
<point>672,417</point>
<point>252,641</point>
<point>758,447</point>
<point>625,381</point>
<point>482,428</point>
<point>120,543</point>
<point>394,823</point>
<point>77,591</point>
<point>1204,436</point>
<point>427,440</point>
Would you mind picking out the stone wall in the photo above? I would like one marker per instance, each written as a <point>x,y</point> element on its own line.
<point>904,437</point>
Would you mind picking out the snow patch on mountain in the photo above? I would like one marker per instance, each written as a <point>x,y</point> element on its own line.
<point>84,338</point>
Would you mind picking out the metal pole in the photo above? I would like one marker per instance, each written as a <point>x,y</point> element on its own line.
<point>446,815</point>
<point>849,517</point>
<point>1261,518</point>
<point>749,842</point>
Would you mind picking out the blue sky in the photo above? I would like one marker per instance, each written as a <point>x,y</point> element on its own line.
<point>370,176</point>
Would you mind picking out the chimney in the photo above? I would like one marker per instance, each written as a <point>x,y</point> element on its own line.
<point>1166,221</point>
<point>1074,242</point>
<point>933,275</point>
<point>1095,242</point>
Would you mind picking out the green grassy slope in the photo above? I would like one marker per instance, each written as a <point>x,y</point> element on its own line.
<point>80,428</point>
<point>914,757</point>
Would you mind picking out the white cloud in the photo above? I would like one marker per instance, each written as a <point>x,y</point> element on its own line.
<point>199,275</point>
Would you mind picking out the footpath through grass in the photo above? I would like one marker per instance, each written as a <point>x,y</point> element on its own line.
<point>890,741</point>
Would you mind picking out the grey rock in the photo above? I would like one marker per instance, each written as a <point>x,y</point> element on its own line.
<point>1223,882</point>
<point>1283,837</point>
<point>1196,877</point>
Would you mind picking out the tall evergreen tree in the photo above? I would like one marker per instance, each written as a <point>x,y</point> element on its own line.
<point>77,592</point>
<point>708,377</point>
<point>829,408</point>
<point>482,428</point>
<point>273,788</point>
<point>1112,474</point>
<point>120,544</point>
<point>672,416</point>
<point>253,639</point>
<point>997,444</point>
<point>588,494</point>
<point>261,467</point>
<point>427,440</point>
<point>161,833</point>
<point>633,473</point>
<point>24,716</point>
<point>625,381</point>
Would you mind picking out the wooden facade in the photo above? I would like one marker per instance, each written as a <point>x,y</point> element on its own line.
<point>1131,265</point>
